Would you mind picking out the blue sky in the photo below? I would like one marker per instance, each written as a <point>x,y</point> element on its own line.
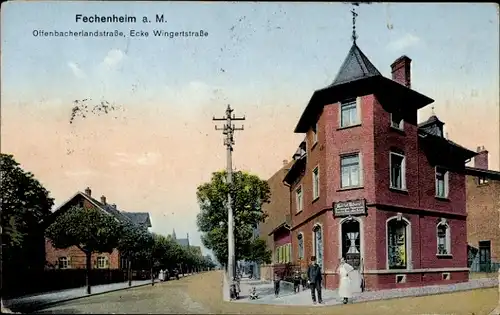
<point>307,49</point>
<point>274,55</point>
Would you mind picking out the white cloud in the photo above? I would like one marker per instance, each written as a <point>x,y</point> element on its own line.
<point>408,40</point>
<point>77,71</point>
<point>113,59</point>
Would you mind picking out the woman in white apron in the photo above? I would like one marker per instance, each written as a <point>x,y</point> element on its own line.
<point>344,282</point>
<point>161,275</point>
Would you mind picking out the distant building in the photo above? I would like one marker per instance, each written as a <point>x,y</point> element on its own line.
<point>278,211</point>
<point>483,215</point>
<point>181,241</point>
<point>73,257</point>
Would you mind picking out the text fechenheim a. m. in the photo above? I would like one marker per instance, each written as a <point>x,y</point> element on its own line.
<point>80,18</point>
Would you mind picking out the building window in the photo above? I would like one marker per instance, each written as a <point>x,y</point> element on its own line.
<point>300,239</point>
<point>315,133</point>
<point>288,253</point>
<point>397,243</point>
<point>318,244</point>
<point>350,170</point>
<point>316,183</point>
<point>482,180</point>
<point>63,262</point>
<point>443,239</point>
<point>101,262</point>
<point>349,113</point>
<point>442,182</point>
<point>299,199</point>
<point>398,171</point>
<point>397,121</point>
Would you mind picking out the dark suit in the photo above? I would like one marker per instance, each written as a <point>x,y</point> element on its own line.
<point>314,276</point>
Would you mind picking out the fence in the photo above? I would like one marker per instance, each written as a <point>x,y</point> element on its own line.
<point>487,267</point>
<point>38,281</point>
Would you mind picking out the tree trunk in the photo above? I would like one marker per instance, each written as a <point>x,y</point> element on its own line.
<point>129,271</point>
<point>152,276</point>
<point>88,256</point>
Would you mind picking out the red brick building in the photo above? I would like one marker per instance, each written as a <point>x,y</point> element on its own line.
<point>483,215</point>
<point>374,186</point>
<point>73,257</point>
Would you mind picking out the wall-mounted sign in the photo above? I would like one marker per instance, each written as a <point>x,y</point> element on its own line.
<point>351,207</point>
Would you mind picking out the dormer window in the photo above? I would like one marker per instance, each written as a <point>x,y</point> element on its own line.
<point>397,121</point>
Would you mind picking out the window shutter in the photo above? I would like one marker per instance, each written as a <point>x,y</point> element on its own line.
<point>403,172</point>
<point>69,262</point>
<point>446,183</point>
<point>436,181</point>
<point>358,109</point>
<point>360,156</point>
<point>106,262</point>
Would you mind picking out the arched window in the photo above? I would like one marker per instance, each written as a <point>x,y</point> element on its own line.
<point>318,244</point>
<point>300,240</point>
<point>443,238</point>
<point>398,243</point>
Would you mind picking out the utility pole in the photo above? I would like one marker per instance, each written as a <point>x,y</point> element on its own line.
<point>228,131</point>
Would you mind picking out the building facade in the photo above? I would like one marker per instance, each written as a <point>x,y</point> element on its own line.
<point>278,215</point>
<point>372,185</point>
<point>73,257</point>
<point>483,215</point>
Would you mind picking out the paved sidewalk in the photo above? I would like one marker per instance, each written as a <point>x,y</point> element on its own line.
<point>45,299</point>
<point>265,291</point>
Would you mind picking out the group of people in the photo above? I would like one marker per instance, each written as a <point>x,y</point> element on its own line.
<point>164,275</point>
<point>314,278</point>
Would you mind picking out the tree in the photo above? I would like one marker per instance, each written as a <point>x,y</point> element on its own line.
<point>248,193</point>
<point>135,243</point>
<point>259,252</point>
<point>25,203</point>
<point>89,229</point>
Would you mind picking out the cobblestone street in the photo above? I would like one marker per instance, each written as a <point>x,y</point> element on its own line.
<point>202,294</point>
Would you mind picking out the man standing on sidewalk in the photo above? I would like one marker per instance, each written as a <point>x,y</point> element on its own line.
<point>314,280</point>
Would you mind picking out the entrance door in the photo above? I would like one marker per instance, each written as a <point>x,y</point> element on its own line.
<point>485,256</point>
<point>351,245</point>
<point>351,251</point>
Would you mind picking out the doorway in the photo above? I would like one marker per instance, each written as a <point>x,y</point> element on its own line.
<point>351,244</point>
<point>350,232</point>
<point>485,256</point>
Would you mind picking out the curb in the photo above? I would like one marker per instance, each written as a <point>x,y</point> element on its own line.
<point>41,305</point>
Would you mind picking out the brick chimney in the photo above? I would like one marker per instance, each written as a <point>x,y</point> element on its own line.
<point>113,205</point>
<point>481,160</point>
<point>103,199</point>
<point>401,71</point>
<point>88,192</point>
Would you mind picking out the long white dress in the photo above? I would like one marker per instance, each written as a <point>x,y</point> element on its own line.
<point>345,281</point>
<point>161,275</point>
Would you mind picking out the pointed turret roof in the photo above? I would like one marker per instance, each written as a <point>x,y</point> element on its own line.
<point>356,66</point>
